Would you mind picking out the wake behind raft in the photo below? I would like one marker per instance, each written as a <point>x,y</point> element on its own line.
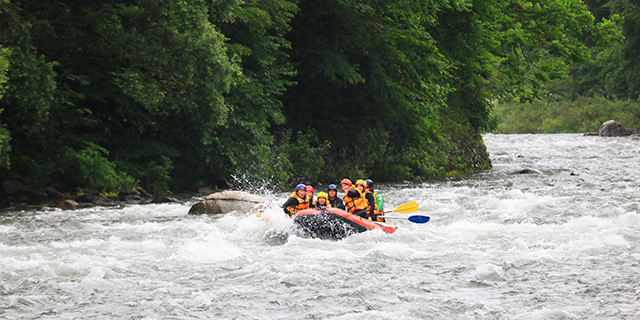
<point>334,224</point>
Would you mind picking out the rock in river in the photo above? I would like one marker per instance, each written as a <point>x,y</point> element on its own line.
<point>529,170</point>
<point>226,201</point>
<point>612,128</point>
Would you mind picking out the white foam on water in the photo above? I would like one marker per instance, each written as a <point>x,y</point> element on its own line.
<point>499,245</point>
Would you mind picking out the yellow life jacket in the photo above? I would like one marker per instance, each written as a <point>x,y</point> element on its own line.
<point>366,205</point>
<point>303,203</point>
<point>326,203</point>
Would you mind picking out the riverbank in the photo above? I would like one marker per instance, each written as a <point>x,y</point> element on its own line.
<point>17,196</point>
<point>552,116</point>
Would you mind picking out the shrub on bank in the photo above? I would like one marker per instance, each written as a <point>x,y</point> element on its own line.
<point>575,116</point>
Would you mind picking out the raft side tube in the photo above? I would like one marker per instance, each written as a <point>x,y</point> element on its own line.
<point>334,223</point>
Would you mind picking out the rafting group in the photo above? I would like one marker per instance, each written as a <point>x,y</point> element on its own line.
<point>330,217</point>
<point>359,199</point>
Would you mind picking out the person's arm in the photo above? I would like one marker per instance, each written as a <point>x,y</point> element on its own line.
<point>291,202</point>
<point>372,203</point>
<point>353,193</point>
<point>340,203</point>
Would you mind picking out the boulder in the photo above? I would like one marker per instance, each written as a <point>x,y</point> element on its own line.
<point>612,128</point>
<point>13,186</point>
<point>72,205</point>
<point>17,188</point>
<point>226,201</point>
<point>68,205</point>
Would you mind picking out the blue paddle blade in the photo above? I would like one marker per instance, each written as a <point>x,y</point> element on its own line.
<point>419,219</point>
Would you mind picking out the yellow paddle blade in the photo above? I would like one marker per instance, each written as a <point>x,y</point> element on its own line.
<point>407,208</point>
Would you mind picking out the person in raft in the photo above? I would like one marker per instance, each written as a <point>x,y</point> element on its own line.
<point>297,201</point>
<point>346,184</point>
<point>333,197</point>
<point>377,196</point>
<point>322,201</point>
<point>310,192</point>
<point>361,202</point>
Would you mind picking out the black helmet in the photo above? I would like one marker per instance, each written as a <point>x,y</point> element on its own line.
<point>369,183</point>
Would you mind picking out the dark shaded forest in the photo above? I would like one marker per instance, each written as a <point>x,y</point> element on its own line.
<point>107,95</point>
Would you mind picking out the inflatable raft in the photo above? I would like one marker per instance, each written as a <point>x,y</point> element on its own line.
<point>334,224</point>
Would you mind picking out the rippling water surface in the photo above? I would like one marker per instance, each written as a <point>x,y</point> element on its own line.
<point>500,245</point>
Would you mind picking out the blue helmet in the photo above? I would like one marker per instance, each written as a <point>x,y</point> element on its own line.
<point>332,187</point>
<point>301,186</point>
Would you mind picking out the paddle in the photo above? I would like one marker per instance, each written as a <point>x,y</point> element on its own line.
<point>403,208</point>
<point>414,219</point>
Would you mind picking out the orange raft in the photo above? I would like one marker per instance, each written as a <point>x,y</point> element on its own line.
<point>334,223</point>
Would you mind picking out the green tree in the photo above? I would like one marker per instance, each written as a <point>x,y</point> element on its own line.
<point>370,81</point>
<point>143,79</point>
<point>255,32</point>
<point>5,137</point>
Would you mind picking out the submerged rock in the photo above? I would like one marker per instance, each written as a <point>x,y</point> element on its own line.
<point>226,201</point>
<point>529,171</point>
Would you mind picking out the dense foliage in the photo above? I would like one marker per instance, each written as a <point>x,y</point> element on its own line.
<point>173,94</point>
<point>604,87</point>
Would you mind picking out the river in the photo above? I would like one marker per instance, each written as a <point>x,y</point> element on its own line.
<point>499,245</point>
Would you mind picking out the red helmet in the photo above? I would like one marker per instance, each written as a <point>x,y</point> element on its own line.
<point>346,181</point>
<point>310,188</point>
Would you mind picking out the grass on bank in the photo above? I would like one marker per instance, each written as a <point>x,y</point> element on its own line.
<point>576,116</point>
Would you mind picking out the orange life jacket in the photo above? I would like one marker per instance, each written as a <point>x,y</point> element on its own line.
<point>303,203</point>
<point>345,198</point>
<point>360,203</point>
<point>352,204</point>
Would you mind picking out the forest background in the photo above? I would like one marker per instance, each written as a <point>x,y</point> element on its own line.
<point>171,94</point>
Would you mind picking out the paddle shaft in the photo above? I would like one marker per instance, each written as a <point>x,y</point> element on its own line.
<point>414,219</point>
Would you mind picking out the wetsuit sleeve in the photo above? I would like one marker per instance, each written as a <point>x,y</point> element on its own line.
<point>339,203</point>
<point>291,202</point>
<point>372,201</point>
